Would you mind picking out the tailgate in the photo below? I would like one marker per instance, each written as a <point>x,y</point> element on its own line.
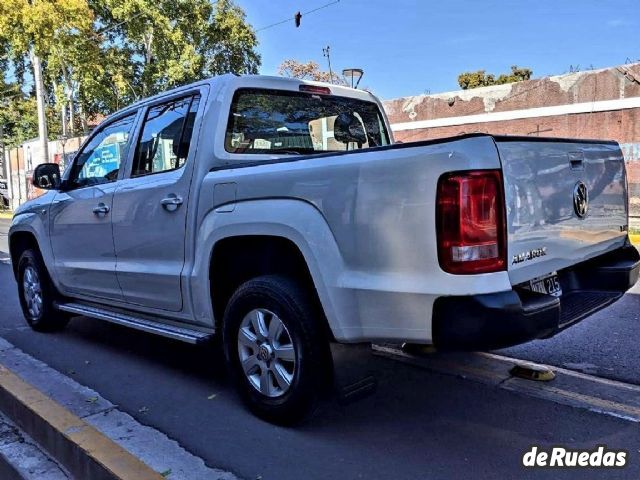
<point>566,202</point>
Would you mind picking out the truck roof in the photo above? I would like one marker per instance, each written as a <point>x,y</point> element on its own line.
<point>234,82</point>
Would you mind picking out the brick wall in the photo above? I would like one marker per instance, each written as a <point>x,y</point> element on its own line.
<point>445,113</point>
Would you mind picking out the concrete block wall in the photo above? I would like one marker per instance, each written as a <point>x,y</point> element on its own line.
<point>601,104</point>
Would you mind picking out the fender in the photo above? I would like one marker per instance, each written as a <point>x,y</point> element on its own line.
<point>33,221</point>
<point>295,220</point>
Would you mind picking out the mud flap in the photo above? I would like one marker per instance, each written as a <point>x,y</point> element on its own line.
<point>353,376</point>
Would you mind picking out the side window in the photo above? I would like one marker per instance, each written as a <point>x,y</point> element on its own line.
<point>166,136</point>
<point>99,161</point>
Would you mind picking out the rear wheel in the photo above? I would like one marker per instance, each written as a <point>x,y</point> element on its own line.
<point>37,294</point>
<point>276,349</point>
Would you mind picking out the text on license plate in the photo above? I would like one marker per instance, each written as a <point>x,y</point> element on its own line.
<point>549,285</point>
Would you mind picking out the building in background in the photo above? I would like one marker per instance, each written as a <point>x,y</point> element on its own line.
<point>600,104</point>
<point>21,161</point>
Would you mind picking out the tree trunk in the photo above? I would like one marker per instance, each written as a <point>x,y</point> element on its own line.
<point>72,117</point>
<point>42,118</point>
<point>63,118</point>
<point>148,58</point>
<point>83,119</point>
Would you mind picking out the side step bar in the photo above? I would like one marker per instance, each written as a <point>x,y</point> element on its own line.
<point>183,334</point>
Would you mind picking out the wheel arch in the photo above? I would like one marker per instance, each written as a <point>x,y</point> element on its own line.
<point>294,230</point>
<point>237,259</point>
<point>19,241</point>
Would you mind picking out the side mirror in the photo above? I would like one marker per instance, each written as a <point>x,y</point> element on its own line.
<point>47,176</point>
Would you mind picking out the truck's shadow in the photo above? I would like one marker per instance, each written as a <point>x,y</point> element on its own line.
<point>409,400</point>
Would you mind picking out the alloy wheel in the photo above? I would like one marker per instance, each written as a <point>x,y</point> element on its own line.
<point>267,354</point>
<point>32,291</point>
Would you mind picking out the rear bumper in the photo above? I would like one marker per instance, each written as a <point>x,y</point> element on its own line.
<point>508,318</point>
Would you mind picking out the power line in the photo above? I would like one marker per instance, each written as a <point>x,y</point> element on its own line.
<point>303,14</point>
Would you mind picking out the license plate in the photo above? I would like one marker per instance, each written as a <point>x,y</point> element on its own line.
<point>549,285</point>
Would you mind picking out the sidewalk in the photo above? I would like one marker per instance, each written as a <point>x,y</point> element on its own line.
<point>79,431</point>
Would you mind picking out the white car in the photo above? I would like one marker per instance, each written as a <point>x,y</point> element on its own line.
<point>4,194</point>
<point>280,214</point>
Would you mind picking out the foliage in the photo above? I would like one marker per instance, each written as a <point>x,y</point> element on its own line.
<point>57,31</point>
<point>479,78</point>
<point>100,55</point>
<point>168,43</point>
<point>18,116</point>
<point>18,119</point>
<point>308,71</point>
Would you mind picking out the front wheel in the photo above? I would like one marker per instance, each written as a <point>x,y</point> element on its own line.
<point>37,294</point>
<point>276,348</point>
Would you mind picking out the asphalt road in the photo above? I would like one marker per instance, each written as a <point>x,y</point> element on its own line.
<point>418,425</point>
<point>605,344</point>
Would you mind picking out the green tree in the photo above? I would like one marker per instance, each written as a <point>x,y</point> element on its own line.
<point>33,32</point>
<point>100,55</point>
<point>164,43</point>
<point>17,115</point>
<point>480,78</point>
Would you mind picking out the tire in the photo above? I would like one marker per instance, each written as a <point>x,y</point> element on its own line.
<point>37,294</point>
<point>286,372</point>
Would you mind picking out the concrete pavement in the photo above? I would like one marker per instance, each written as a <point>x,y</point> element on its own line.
<point>604,344</point>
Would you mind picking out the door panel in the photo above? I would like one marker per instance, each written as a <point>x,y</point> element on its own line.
<point>82,242</point>
<point>80,227</point>
<point>150,208</point>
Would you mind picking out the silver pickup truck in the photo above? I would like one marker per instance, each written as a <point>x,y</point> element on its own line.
<point>280,214</point>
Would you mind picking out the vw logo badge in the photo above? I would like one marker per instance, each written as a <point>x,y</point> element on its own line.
<point>580,199</point>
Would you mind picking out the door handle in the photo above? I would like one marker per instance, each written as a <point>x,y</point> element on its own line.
<point>171,202</point>
<point>576,160</point>
<point>101,209</point>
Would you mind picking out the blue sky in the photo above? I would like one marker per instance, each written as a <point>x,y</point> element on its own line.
<point>411,47</point>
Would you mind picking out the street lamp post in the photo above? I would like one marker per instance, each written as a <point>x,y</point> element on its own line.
<point>355,74</point>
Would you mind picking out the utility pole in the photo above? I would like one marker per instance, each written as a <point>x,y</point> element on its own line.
<point>3,166</point>
<point>42,119</point>
<point>326,52</point>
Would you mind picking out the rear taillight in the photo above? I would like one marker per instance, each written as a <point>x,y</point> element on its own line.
<point>470,222</point>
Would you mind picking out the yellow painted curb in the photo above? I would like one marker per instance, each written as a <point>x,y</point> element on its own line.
<point>85,439</point>
<point>635,239</point>
<point>6,215</point>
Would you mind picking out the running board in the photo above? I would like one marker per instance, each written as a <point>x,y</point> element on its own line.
<point>183,334</point>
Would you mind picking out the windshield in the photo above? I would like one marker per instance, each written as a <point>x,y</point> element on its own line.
<point>277,121</point>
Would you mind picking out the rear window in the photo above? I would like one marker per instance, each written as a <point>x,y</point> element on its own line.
<point>277,121</point>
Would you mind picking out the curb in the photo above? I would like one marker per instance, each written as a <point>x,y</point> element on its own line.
<point>22,459</point>
<point>78,446</point>
<point>85,433</point>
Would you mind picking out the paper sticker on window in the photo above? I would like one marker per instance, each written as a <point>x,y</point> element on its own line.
<point>261,143</point>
